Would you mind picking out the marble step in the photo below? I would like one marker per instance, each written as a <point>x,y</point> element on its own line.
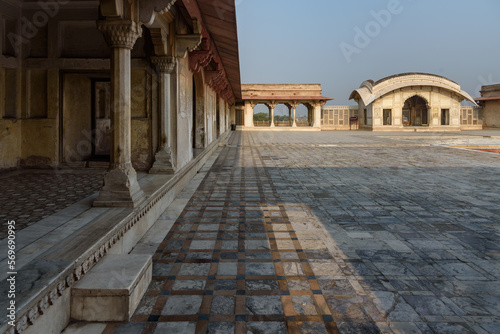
<point>112,290</point>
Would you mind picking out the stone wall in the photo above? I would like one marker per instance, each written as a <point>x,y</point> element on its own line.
<point>471,118</point>
<point>492,114</point>
<point>338,117</point>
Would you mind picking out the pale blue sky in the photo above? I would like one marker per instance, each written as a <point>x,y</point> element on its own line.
<point>299,41</point>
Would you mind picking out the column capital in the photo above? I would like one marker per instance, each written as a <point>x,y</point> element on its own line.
<point>164,64</point>
<point>120,33</point>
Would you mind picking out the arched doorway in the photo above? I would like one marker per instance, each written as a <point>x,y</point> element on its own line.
<point>415,112</point>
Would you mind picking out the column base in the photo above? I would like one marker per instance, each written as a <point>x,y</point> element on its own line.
<point>294,125</point>
<point>120,188</point>
<point>163,163</point>
<point>272,125</point>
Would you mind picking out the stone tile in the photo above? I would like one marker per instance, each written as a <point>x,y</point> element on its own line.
<point>304,305</point>
<point>266,327</point>
<point>298,285</point>
<point>312,327</point>
<point>189,285</point>
<point>225,284</point>
<point>221,327</point>
<point>227,268</point>
<point>183,327</point>
<point>182,305</point>
<point>202,244</point>
<point>194,269</point>
<point>259,268</point>
<point>261,285</point>
<point>428,305</point>
<point>264,305</point>
<point>257,244</point>
<point>336,287</point>
<point>223,305</point>
<point>325,268</point>
<point>293,269</point>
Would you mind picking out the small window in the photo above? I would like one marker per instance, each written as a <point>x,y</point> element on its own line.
<point>365,117</point>
<point>445,116</point>
<point>387,116</point>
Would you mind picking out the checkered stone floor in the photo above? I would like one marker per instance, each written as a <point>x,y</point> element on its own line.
<point>352,239</point>
<point>29,196</point>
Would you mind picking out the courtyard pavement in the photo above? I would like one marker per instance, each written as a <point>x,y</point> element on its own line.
<point>334,232</point>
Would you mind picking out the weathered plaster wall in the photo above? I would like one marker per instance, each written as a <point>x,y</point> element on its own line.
<point>492,114</point>
<point>10,143</point>
<point>77,127</point>
<point>143,86</point>
<point>39,143</point>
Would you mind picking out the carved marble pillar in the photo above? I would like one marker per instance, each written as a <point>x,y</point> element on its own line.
<point>249,114</point>
<point>316,117</point>
<point>294,108</point>
<point>271,111</point>
<point>120,183</point>
<point>163,159</point>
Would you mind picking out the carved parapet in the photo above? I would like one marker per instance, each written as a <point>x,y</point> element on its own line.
<point>199,59</point>
<point>120,33</point>
<point>164,64</point>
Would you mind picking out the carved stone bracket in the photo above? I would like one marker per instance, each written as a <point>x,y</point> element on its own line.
<point>159,37</point>
<point>199,59</point>
<point>164,64</point>
<point>186,43</point>
<point>120,33</point>
<point>148,8</point>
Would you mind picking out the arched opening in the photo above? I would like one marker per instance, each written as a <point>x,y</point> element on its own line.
<point>415,112</point>
<point>198,127</point>
<point>261,115</point>
<point>303,114</point>
<point>281,115</point>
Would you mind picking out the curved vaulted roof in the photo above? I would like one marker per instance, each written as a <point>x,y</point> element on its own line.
<point>370,91</point>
